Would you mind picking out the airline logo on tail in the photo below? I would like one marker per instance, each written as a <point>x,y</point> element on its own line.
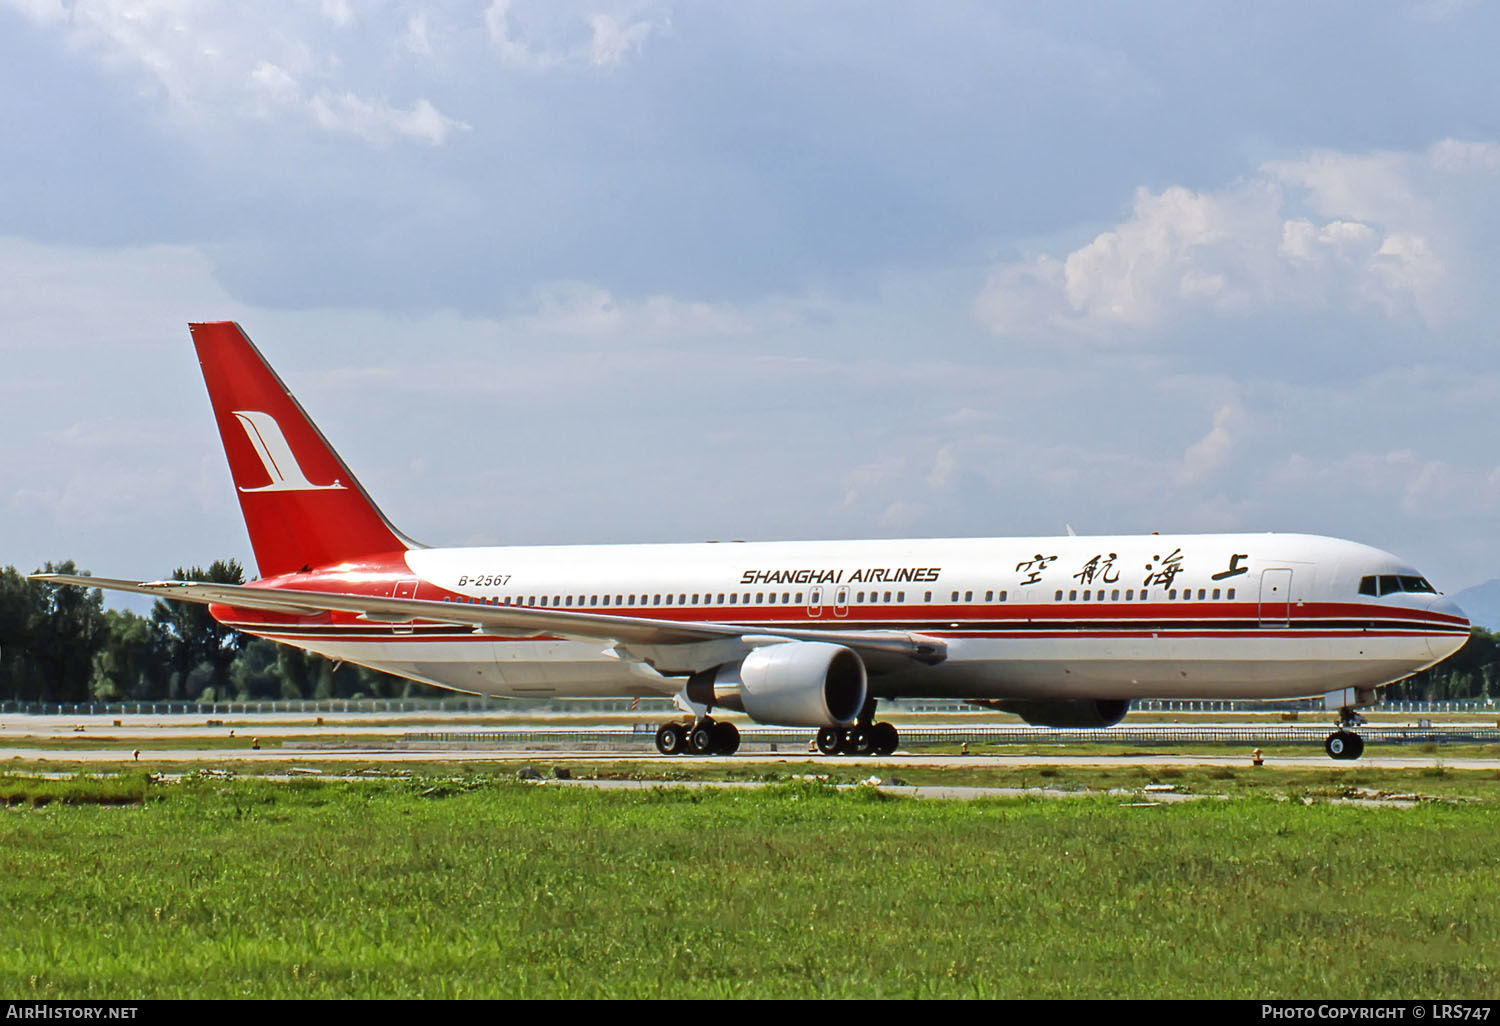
<point>276,455</point>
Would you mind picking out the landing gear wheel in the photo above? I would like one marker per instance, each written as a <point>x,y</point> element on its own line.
<point>856,741</point>
<point>671,739</point>
<point>726,739</point>
<point>829,740</point>
<point>701,738</point>
<point>883,739</point>
<point>1344,745</point>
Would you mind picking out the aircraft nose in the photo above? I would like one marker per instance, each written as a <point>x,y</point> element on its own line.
<point>1444,645</point>
<point>1448,608</point>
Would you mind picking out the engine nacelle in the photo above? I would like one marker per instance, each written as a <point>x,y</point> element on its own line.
<point>1095,712</point>
<point>794,684</point>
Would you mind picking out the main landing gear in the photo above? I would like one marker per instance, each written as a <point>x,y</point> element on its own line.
<point>706,736</point>
<point>865,737</point>
<point>872,739</point>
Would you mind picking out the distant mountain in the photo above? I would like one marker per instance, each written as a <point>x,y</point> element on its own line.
<point>1482,603</point>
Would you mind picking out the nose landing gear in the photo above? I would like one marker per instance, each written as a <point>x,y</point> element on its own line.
<point>1344,743</point>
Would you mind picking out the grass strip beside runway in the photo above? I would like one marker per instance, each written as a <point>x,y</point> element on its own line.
<point>468,887</point>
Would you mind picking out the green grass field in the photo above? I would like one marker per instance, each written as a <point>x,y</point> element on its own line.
<point>466,886</point>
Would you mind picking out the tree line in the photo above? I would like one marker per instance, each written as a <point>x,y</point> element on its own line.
<point>60,644</point>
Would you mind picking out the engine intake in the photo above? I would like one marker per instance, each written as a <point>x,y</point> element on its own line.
<point>1097,712</point>
<point>794,684</point>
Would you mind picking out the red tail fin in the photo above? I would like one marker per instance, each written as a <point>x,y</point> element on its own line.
<point>302,507</point>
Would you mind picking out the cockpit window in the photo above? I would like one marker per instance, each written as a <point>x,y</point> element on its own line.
<point>1391,584</point>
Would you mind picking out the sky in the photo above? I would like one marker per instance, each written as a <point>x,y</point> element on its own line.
<point>554,272</point>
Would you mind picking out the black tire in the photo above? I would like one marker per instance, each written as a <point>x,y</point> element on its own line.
<point>726,738</point>
<point>856,742</point>
<point>884,739</point>
<point>1356,746</point>
<point>1340,743</point>
<point>701,738</point>
<point>830,740</point>
<point>671,739</point>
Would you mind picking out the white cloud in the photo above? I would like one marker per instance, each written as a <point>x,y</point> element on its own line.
<point>416,38</point>
<point>1212,451</point>
<point>571,308</point>
<point>1369,233</point>
<point>375,122</point>
<point>203,61</point>
<point>612,40</point>
<point>338,13</point>
<point>545,37</point>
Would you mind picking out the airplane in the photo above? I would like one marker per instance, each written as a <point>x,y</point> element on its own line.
<point>1062,631</point>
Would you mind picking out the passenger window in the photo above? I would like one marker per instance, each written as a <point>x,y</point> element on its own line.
<point>1216,593</point>
<point>928,597</point>
<point>1130,595</point>
<point>989,596</point>
<point>785,597</point>
<point>1073,595</point>
<point>900,596</point>
<point>1202,594</point>
<point>887,598</point>
<point>1172,594</point>
<point>656,600</point>
<point>1230,595</point>
<point>760,597</point>
<point>799,598</point>
<point>1114,596</point>
<point>1002,596</point>
<point>968,596</point>
<point>1057,597</point>
<point>955,596</point>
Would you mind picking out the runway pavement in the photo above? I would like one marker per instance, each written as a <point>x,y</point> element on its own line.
<point>160,756</point>
<point>393,738</point>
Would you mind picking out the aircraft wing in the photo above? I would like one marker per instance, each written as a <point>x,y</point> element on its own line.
<point>640,637</point>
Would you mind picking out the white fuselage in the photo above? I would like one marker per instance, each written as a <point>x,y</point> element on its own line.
<point>1246,616</point>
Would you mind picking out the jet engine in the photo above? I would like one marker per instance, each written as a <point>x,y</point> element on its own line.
<point>794,684</point>
<point>1100,712</point>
